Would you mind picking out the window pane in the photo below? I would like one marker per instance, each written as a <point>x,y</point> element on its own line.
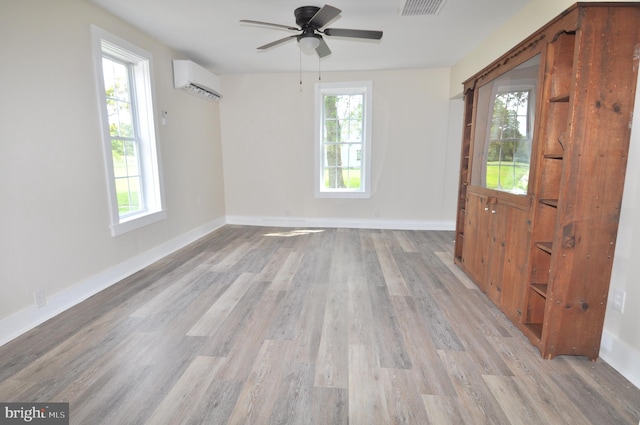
<point>129,195</point>
<point>329,107</point>
<point>119,163</point>
<point>331,131</point>
<point>125,119</point>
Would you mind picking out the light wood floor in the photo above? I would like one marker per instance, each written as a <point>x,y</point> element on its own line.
<point>255,325</point>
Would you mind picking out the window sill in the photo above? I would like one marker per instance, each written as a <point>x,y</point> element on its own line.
<point>344,195</point>
<point>133,223</point>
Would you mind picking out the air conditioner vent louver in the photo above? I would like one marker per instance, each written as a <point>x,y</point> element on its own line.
<point>421,7</point>
<point>201,91</point>
<point>194,79</point>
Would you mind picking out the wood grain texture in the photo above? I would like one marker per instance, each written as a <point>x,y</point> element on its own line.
<point>256,325</point>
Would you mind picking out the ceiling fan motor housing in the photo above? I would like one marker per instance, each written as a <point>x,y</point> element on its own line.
<point>304,14</point>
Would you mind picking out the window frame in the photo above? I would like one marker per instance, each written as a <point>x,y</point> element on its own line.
<point>341,88</point>
<point>515,79</point>
<point>141,73</point>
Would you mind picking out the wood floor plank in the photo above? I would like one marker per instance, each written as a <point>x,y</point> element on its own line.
<point>232,258</point>
<point>331,368</point>
<point>209,323</point>
<point>187,397</point>
<point>291,308</point>
<point>169,294</point>
<point>392,276</point>
<point>284,277</point>
<point>239,361</point>
<point>269,271</point>
<point>293,402</point>
<point>519,408</point>
<point>361,326</point>
<point>367,398</point>
<point>308,327</point>
<point>477,402</point>
<point>442,410</point>
<point>442,334</point>
<point>447,260</point>
<point>225,337</point>
<point>261,390</point>
<point>427,366</point>
<point>404,241</point>
<point>391,346</point>
<point>329,406</point>
<point>404,403</point>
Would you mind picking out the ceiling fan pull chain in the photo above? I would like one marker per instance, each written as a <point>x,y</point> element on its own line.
<point>319,74</point>
<point>300,51</point>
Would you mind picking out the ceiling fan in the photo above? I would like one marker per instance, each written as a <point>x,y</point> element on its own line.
<point>310,21</point>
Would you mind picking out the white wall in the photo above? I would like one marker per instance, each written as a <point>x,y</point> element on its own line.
<point>54,214</point>
<point>268,143</point>
<point>621,336</point>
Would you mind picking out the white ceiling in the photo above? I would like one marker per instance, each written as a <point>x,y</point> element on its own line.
<point>209,32</point>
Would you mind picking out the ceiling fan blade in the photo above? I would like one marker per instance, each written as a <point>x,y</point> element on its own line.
<point>275,43</point>
<point>324,16</point>
<point>341,32</point>
<point>323,49</point>
<point>247,21</point>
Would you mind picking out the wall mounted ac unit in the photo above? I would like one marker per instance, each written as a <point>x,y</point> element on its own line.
<point>193,78</point>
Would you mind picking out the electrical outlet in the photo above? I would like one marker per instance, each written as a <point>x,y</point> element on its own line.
<point>40,298</point>
<point>618,300</point>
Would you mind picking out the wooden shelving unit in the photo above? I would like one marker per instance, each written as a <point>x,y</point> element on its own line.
<point>464,175</point>
<point>545,257</point>
<point>554,126</point>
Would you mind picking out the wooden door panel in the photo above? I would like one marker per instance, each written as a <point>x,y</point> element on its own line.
<point>476,235</point>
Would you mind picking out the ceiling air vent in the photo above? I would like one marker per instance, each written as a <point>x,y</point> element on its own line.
<point>421,7</point>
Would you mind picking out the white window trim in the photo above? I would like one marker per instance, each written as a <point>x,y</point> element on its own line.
<point>153,187</point>
<point>366,88</point>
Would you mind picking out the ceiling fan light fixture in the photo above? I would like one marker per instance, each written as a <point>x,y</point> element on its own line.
<point>309,43</point>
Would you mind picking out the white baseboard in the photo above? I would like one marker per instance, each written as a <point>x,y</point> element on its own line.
<point>342,223</point>
<point>15,325</point>
<point>621,357</point>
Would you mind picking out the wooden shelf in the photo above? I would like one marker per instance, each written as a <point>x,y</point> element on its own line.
<point>560,99</point>
<point>550,202</point>
<point>553,155</point>
<point>540,288</point>
<point>545,246</point>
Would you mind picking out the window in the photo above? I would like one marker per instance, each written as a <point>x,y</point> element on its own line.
<point>128,132</point>
<point>343,139</point>
<point>504,130</point>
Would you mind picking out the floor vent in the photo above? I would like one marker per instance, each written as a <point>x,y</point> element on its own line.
<point>421,7</point>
